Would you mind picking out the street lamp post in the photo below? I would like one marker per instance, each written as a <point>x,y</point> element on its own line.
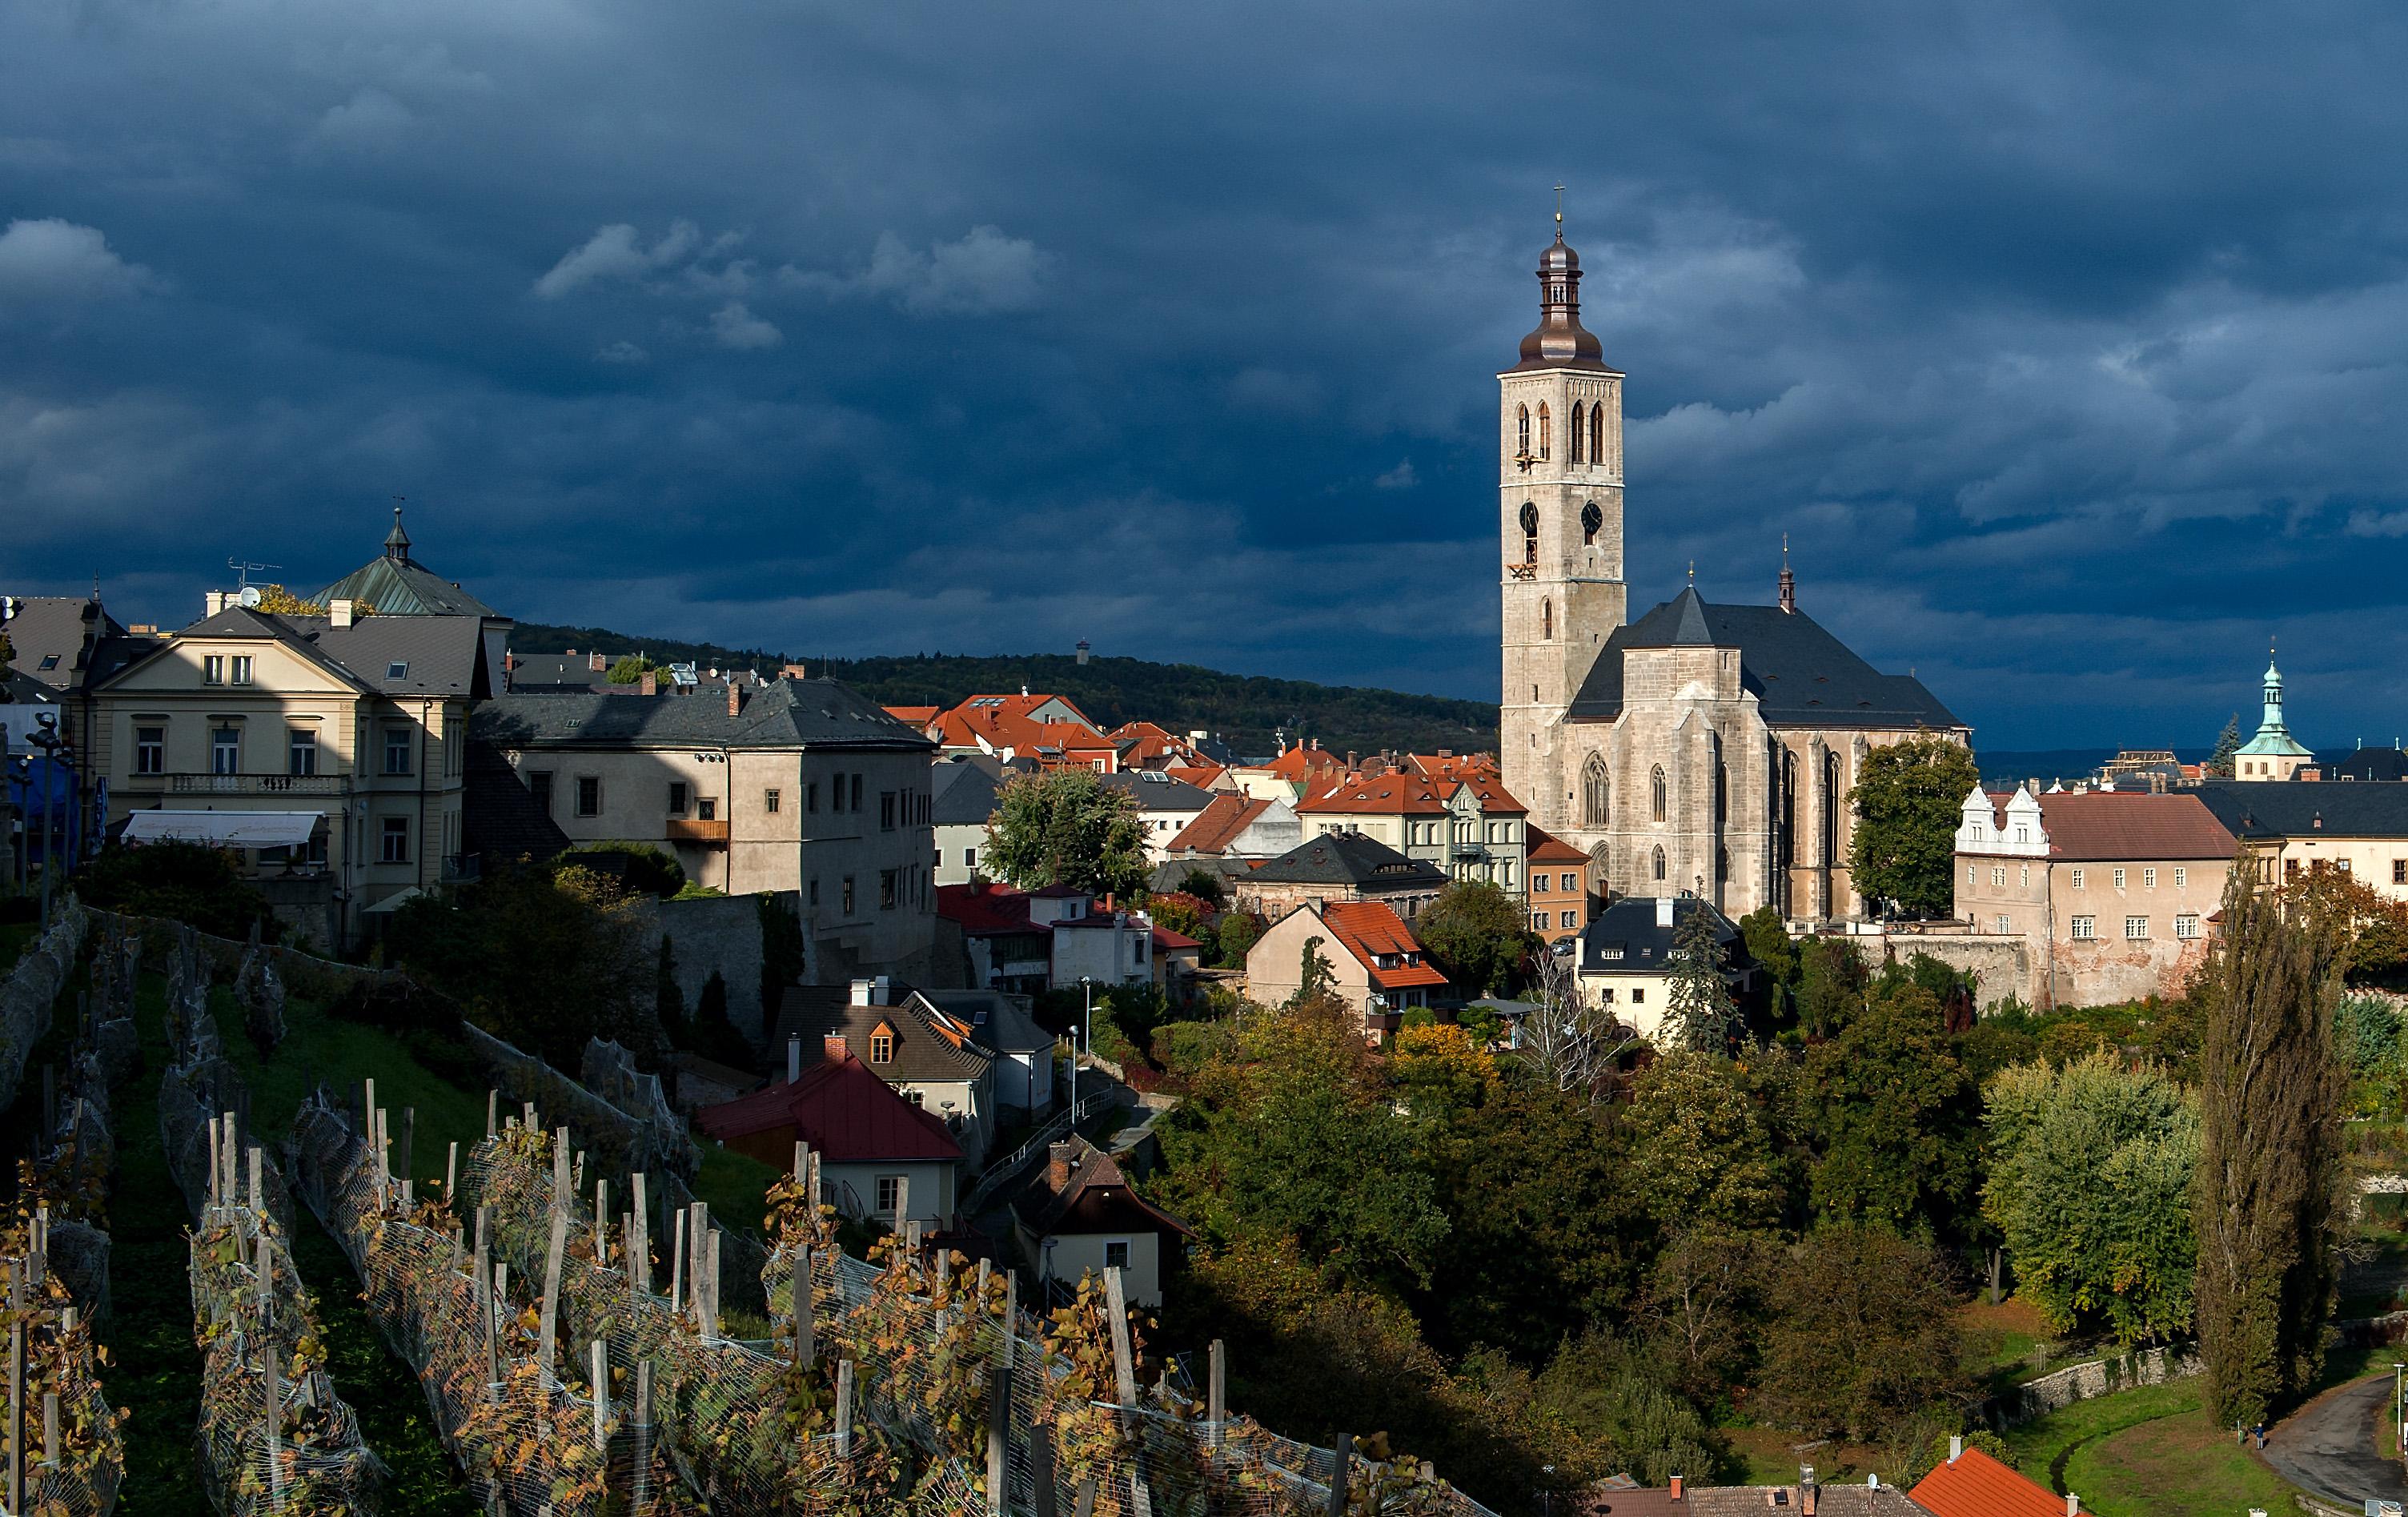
<point>1086,1018</point>
<point>2399,1413</point>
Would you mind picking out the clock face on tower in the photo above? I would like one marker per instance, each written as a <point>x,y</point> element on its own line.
<point>1529,519</point>
<point>1591,519</point>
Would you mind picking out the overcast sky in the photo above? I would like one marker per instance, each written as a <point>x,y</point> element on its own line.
<point>2066,343</point>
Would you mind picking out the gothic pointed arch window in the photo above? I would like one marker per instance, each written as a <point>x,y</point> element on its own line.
<point>1525,424</point>
<point>1722,865</point>
<point>1659,863</point>
<point>1546,430</point>
<point>1529,533</point>
<point>1591,519</point>
<point>1597,433</point>
<point>1580,429</point>
<point>1546,621</point>
<point>1655,796</point>
<point>1596,793</point>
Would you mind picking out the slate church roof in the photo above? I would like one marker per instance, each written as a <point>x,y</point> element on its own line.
<point>1799,674</point>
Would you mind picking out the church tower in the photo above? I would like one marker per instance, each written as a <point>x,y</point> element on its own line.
<point>1559,523</point>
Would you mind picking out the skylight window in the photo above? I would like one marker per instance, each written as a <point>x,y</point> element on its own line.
<point>397,670</point>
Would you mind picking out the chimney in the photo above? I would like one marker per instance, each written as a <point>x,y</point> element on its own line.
<point>1663,910</point>
<point>338,612</point>
<point>1676,1487</point>
<point>2072,1505</point>
<point>832,1047</point>
<point>794,1058</point>
<point>1956,1447</point>
<point>649,684</point>
<point>1057,1166</point>
<point>213,601</point>
<point>595,662</point>
<point>1806,1500</point>
<point>862,990</point>
<point>735,697</point>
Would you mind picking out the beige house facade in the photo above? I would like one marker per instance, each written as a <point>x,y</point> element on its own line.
<point>2359,828</point>
<point>1471,828</point>
<point>785,785</point>
<point>2110,893</point>
<point>1706,748</point>
<point>360,723</point>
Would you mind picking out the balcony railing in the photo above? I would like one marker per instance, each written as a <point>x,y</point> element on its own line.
<point>1469,850</point>
<point>707,834</point>
<point>253,785</point>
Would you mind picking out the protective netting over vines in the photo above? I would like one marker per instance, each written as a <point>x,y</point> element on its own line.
<point>31,988</point>
<point>275,1437</point>
<point>919,1383</point>
<point>621,1143</point>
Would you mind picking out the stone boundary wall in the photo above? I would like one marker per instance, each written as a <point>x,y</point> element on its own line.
<point>2099,1377</point>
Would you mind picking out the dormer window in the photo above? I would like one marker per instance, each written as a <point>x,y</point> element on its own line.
<point>881,1045</point>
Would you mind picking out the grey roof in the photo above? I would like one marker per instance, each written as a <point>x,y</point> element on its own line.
<point>405,587</point>
<point>2359,764</point>
<point>921,1052</point>
<point>2301,808</point>
<point>434,656</point>
<point>963,794</point>
<point>531,672</point>
<point>60,640</point>
<point>785,713</point>
<point>1799,673</point>
<point>1158,792</point>
<point>1348,858</point>
<point>1625,940</point>
<point>998,1020</point>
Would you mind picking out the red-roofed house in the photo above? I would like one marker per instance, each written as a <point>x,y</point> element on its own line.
<point>2106,894</point>
<point>1045,728</point>
<point>1558,888</point>
<point>1469,825</point>
<point>1973,1484</point>
<point>871,1141</point>
<point>1375,961</point>
<point>1237,828</point>
<point>917,716</point>
<point>1026,942</point>
<point>1300,770</point>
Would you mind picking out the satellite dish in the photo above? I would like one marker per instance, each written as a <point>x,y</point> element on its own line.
<point>249,598</point>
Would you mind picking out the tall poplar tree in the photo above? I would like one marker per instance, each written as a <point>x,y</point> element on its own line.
<point>2269,1150</point>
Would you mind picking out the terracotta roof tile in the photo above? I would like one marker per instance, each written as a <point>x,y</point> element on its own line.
<point>2115,824</point>
<point>1217,825</point>
<point>1546,848</point>
<point>1369,929</point>
<point>1973,1484</point>
<point>843,1110</point>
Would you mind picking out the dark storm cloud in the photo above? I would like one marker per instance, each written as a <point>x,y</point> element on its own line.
<point>2066,346</point>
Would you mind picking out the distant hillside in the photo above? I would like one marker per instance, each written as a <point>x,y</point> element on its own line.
<point>1243,710</point>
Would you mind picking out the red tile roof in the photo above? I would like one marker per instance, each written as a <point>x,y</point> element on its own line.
<point>1371,929</point>
<point>1546,848</point>
<point>1004,721</point>
<point>1393,794</point>
<point>1452,765</point>
<point>918,716</point>
<point>1199,775</point>
<point>2128,824</point>
<point>1302,762</point>
<point>843,1110</point>
<point>1218,825</point>
<point>1973,1484</point>
<point>1164,938</point>
<point>983,910</point>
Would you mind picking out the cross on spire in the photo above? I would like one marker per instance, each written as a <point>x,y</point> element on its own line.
<point>1559,213</point>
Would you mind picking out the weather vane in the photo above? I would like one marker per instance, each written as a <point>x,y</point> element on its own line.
<point>1559,213</point>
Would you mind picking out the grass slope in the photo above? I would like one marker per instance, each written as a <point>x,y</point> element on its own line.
<point>1244,709</point>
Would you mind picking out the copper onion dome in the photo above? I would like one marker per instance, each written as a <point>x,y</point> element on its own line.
<point>1560,341</point>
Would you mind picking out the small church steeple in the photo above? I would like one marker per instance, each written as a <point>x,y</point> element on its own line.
<point>397,542</point>
<point>1788,581</point>
<point>1559,340</point>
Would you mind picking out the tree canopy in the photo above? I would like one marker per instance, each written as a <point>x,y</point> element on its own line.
<point>2227,743</point>
<point>1909,799</point>
<point>1479,935</point>
<point>1066,827</point>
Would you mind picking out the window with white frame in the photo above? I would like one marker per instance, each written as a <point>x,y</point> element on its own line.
<point>2135,929</point>
<point>397,841</point>
<point>2085,929</point>
<point>240,670</point>
<point>1116,1254</point>
<point>1997,876</point>
<point>890,1190</point>
<point>396,750</point>
<point>2023,875</point>
<point>2001,923</point>
<point>301,751</point>
<point>151,749</point>
<point>2148,879</point>
<point>2077,880</point>
<point>2119,880</point>
<point>213,668</point>
<point>225,750</point>
<point>2186,926</point>
<point>2182,877</point>
<point>1567,919</point>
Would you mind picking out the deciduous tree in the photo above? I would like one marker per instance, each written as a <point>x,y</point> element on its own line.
<point>1860,1337</point>
<point>1892,1118</point>
<point>1907,801</point>
<point>1478,934</point>
<point>1066,827</point>
<point>2091,1168</point>
<point>1700,1156</point>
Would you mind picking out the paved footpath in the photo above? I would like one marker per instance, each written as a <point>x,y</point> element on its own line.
<point>2329,1447</point>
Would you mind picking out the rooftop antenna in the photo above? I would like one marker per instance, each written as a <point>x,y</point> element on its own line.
<point>243,568</point>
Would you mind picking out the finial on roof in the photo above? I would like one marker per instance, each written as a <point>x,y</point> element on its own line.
<point>1693,574</point>
<point>1788,581</point>
<point>1559,213</point>
<point>397,542</point>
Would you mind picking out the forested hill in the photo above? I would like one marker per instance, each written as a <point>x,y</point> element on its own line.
<point>1243,710</point>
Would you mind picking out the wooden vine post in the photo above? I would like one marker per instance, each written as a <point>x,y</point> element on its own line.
<point>1216,1393</point>
<point>1125,1385</point>
<point>643,1436</point>
<point>639,1244</point>
<point>549,1338</point>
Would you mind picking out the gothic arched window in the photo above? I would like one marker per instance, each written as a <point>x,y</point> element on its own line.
<point>1546,430</point>
<point>1655,796</point>
<point>1596,793</point>
<point>1830,807</point>
<point>1529,533</point>
<point>1659,863</point>
<point>1722,792</point>
<point>1579,429</point>
<point>1525,432</point>
<point>1546,621</point>
<point>1597,434</point>
<point>1722,865</point>
<point>1591,519</point>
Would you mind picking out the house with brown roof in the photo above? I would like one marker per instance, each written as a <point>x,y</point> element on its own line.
<point>1375,962</point>
<point>1237,826</point>
<point>1970,1483</point>
<point>1079,1216</point>
<point>2106,895</point>
<point>1558,888</point>
<point>1468,824</point>
<point>875,1146</point>
<point>1339,866</point>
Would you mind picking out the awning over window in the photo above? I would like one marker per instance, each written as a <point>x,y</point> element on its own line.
<point>223,829</point>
